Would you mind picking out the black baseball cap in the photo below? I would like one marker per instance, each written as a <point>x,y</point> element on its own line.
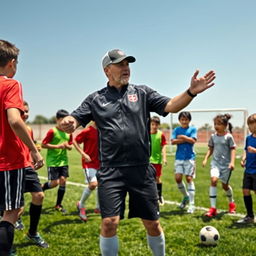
<point>115,56</point>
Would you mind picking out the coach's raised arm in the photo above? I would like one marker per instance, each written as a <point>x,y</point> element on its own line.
<point>197,85</point>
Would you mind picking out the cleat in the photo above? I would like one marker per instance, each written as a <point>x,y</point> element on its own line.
<point>246,220</point>
<point>232,208</point>
<point>19,224</point>
<point>82,212</point>
<point>97,210</point>
<point>37,240</point>
<point>212,212</point>
<point>184,202</point>
<point>161,201</point>
<point>60,208</point>
<point>191,209</point>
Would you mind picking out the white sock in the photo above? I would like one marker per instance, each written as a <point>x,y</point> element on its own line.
<point>213,196</point>
<point>157,244</point>
<point>229,194</point>
<point>182,188</point>
<point>85,195</point>
<point>191,193</point>
<point>109,245</point>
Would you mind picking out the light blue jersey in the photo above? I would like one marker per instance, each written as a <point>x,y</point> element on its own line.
<point>185,150</point>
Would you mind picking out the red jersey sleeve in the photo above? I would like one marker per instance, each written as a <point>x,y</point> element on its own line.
<point>81,137</point>
<point>70,142</point>
<point>49,136</point>
<point>164,142</point>
<point>14,98</point>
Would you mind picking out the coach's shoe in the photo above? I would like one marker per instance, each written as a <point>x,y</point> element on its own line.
<point>184,202</point>
<point>60,208</point>
<point>211,212</point>
<point>232,207</point>
<point>37,240</point>
<point>246,220</point>
<point>19,224</point>
<point>97,210</point>
<point>82,212</point>
<point>191,208</point>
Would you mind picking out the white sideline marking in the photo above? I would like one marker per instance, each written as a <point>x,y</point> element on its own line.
<point>166,201</point>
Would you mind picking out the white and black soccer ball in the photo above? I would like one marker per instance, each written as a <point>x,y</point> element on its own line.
<point>209,235</point>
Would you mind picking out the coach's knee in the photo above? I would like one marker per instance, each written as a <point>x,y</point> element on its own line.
<point>109,226</point>
<point>153,227</point>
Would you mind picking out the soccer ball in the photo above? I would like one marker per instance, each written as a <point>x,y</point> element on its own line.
<point>209,235</point>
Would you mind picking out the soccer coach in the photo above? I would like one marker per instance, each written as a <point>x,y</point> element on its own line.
<point>122,114</point>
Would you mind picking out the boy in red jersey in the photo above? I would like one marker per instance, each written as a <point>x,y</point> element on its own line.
<point>90,163</point>
<point>13,135</point>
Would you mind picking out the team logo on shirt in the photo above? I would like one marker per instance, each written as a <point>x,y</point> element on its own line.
<point>132,97</point>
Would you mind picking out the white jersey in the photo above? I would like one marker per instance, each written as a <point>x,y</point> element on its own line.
<point>222,146</point>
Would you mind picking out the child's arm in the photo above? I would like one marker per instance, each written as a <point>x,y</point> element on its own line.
<point>83,154</point>
<point>232,161</point>
<point>164,154</point>
<point>243,159</point>
<point>208,154</point>
<point>187,139</point>
<point>20,129</point>
<point>177,141</point>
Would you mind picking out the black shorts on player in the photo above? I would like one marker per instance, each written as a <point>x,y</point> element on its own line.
<point>12,185</point>
<point>138,181</point>
<point>249,181</point>
<point>54,173</point>
<point>32,182</point>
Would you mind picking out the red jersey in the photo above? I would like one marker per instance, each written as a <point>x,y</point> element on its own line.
<point>12,149</point>
<point>89,137</point>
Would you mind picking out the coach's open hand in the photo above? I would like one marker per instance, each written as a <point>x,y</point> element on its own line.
<point>200,84</point>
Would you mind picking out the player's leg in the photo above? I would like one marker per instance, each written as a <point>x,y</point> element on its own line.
<point>53,178</point>
<point>158,168</point>
<point>179,171</point>
<point>11,200</point>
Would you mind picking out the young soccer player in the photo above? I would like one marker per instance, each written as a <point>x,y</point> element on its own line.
<point>90,163</point>
<point>32,185</point>
<point>158,152</point>
<point>249,162</point>
<point>185,137</point>
<point>13,135</point>
<point>57,142</point>
<point>222,148</point>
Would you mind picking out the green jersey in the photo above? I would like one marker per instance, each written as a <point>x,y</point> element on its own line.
<point>157,142</point>
<point>57,157</point>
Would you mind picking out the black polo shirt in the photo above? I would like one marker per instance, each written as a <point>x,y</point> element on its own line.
<point>123,121</point>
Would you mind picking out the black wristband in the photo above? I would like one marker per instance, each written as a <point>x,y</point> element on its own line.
<point>191,94</point>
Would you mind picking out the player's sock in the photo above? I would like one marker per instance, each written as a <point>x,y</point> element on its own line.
<point>213,196</point>
<point>7,235</point>
<point>182,188</point>
<point>34,213</point>
<point>229,194</point>
<point>85,195</point>
<point>191,192</point>
<point>157,244</point>
<point>97,198</point>
<point>109,245</point>
<point>61,192</point>
<point>159,189</point>
<point>249,205</point>
<point>47,185</point>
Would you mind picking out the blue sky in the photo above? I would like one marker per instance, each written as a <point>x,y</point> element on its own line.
<point>62,43</point>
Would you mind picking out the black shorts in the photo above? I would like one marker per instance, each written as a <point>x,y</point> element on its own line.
<point>12,184</point>
<point>138,181</point>
<point>249,181</point>
<point>32,182</point>
<point>54,173</point>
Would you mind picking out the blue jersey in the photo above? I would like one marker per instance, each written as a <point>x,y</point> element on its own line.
<point>185,150</point>
<point>250,166</point>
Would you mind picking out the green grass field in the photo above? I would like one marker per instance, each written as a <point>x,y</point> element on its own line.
<point>67,235</point>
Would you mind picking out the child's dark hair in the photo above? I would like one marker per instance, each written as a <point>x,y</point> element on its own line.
<point>25,103</point>
<point>8,51</point>
<point>61,113</point>
<point>185,114</point>
<point>251,119</point>
<point>155,119</point>
<point>224,120</point>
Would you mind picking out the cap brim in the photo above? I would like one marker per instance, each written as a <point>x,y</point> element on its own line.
<point>130,59</point>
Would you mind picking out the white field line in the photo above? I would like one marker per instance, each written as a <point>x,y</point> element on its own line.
<point>166,201</point>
